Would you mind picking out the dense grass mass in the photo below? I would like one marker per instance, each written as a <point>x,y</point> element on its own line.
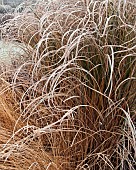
<point>71,103</point>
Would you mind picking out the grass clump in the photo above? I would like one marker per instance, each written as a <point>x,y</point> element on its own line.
<point>74,97</point>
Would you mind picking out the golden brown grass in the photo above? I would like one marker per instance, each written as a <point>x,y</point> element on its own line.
<point>71,104</point>
<point>19,151</point>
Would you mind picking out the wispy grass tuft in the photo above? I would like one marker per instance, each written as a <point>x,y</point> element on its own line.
<point>72,103</point>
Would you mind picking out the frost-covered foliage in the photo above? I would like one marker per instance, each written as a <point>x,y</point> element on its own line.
<point>9,51</point>
<point>12,3</point>
<point>71,105</point>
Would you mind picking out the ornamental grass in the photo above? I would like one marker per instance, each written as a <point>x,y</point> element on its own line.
<point>70,104</point>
